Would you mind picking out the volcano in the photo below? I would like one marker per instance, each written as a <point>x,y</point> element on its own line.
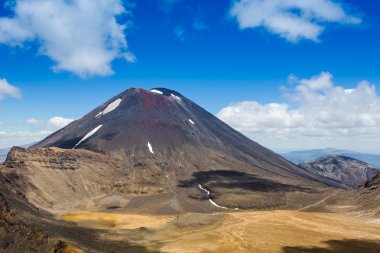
<point>157,151</point>
<point>161,124</point>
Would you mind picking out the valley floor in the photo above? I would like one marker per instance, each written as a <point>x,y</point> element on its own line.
<point>240,231</point>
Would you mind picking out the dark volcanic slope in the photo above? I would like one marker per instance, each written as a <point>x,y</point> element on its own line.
<point>171,125</point>
<point>345,170</point>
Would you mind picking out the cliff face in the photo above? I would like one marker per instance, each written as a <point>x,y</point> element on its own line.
<point>345,170</point>
<point>57,180</point>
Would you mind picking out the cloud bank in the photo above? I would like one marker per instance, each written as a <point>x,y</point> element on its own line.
<point>82,37</point>
<point>317,112</point>
<point>8,139</point>
<point>291,19</point>
<point>39,130</point>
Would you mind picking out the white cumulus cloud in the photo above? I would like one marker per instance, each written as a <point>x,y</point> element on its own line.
<point>58,122</point>
<point>53,123</point>
<point>291,19</point>
<point>80,36</point>
<point>317,113</point>
<point>7,89</point>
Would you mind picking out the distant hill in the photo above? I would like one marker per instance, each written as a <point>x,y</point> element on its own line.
<point>310,155</point>
<point>4,152</point>
<point>342,169</point>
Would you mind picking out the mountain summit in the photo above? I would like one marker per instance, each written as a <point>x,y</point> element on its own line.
<point>157,150</point>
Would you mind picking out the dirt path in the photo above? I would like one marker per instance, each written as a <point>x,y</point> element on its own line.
<point>317,203</point>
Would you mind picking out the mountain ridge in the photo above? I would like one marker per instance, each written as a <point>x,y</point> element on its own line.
<point>312,154</point>
<point>346,170</point>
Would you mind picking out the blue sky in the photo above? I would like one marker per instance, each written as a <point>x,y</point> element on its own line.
<point>213,52</point>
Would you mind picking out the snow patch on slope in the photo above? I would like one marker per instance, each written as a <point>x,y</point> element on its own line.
<point>150,148</point>
<point>156,91</point>
<point>175,97</point>
<point>215,204</point>
<point>203,189</point>
<point>210,200</point>
<point>91,133</point>
<point>112,106</point>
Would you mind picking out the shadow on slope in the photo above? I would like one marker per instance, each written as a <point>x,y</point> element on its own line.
<point>226,179</point>
<point>339,246</point>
